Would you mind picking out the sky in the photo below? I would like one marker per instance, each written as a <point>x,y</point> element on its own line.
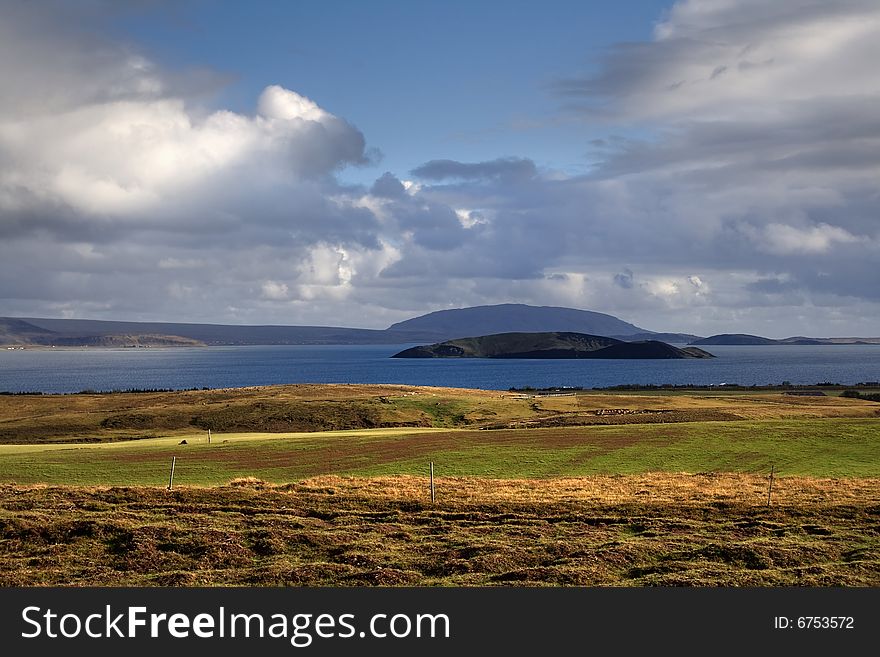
<point>700,166</point>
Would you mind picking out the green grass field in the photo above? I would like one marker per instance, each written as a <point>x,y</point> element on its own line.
<point>818,447</point>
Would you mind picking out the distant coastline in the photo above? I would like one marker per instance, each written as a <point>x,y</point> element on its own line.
<point>433,327</point>
<point>746,340</point>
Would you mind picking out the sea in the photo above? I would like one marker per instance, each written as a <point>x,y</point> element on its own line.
<point>75,370</point>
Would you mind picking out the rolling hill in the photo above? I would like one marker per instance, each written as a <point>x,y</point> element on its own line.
<point>21,333</point>
<point>15,331</point>
<point>513,317</point>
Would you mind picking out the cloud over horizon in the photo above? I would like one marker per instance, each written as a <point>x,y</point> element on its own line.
<point>736,189</point>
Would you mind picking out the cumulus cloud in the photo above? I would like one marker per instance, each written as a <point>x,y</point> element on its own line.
<point>737,178</point>
<point>122,193</point>
<point>127,159</point>
<point>782,239</point>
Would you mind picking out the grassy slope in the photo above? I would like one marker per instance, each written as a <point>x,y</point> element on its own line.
<point>630,531</point>
<point>815,447</point>
<point>103,417</point>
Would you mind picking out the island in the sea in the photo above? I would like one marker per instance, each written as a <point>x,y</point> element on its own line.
<point>550,345</point>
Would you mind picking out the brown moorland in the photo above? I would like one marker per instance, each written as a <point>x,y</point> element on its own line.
<point>638,530</point>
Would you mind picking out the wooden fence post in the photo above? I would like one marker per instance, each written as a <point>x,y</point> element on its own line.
<point>770,488</point>
<point>171,477</point>
<point>432,482</point>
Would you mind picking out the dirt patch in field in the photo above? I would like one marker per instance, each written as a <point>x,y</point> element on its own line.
<point>632,416</point>
<point>351,453</point>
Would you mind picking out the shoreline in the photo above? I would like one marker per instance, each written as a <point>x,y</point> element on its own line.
<point>634,388</point>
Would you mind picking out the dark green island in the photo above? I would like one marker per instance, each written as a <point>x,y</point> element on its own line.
<point>550,345</point>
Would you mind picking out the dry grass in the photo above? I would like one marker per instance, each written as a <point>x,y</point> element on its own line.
<point>655,487</point>
<point>666,529</point>
<point>119,416</point>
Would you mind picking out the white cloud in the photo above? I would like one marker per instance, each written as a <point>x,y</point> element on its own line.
<point>751,186</point>
<point>274,291</point>
<point>126,158</point>
<point>698,284</point>
<point>662,287</point>
<point>327,265</point>
<point>276,102</point>
<point>782,239</point>
<point>470,218</point>
<point>728,58</point>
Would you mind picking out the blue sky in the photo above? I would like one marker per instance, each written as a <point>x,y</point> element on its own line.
<point>422,80</point>
<point>700,166</point>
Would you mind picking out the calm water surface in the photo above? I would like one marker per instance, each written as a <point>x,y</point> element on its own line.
<point>220,367</point>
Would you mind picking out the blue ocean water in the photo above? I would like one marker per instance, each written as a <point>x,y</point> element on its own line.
<point>72,370</point>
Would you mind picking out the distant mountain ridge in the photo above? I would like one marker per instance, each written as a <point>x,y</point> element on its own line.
<point>746,339</point>
<point>433,327</point>
<point>516,317</point>
<point>549,345</point>
<point>223,334</point>
<point>19,332</point>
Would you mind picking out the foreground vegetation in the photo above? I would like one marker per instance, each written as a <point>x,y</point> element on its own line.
<point>329,488</point>
<point>620,531</point>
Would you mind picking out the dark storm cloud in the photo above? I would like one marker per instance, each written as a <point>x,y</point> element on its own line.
<point>506,168</point>
<point>388,186</point>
